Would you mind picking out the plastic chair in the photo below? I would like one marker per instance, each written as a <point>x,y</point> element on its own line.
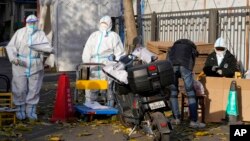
<point>6,102</point>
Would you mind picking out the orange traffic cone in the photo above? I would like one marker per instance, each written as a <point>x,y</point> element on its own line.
<point>63,109</point>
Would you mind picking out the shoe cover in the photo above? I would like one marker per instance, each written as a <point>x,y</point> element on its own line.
<point>31,112</point>
<point>20,113</point>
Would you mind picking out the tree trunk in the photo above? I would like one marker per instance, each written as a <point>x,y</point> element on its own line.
<point>130,27</point>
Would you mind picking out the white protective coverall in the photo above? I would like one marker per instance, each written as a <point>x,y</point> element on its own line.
<point>27,67</point>
<point>99,46</point>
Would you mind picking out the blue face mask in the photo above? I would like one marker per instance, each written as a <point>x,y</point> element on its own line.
<point>32,26</point>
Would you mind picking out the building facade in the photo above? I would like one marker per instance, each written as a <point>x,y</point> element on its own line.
<point>13,14</point>
<point>159,6</point>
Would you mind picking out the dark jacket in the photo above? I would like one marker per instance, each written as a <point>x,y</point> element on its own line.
<point>228,65</point>
<point>183,53</point>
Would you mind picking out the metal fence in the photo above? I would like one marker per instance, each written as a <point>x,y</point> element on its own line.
<point>146,27</point>
<point>234,26</point>
<point>189,24</point>
<point>202,26</point>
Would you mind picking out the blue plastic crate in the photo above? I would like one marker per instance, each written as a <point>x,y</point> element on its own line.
<point>86,110</point>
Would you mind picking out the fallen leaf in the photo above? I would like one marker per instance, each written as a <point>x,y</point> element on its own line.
<point>100,136</point>
<point>195,139</point>
<point>54,139</point>
<point>7,133</point>
<point>116,131</point>
<point>84,134</point>
<point>220,134</point>
<point>202,133</point>
<point>168,113</point>
<point>45,123</point>
<point>223,139</point>
<point>22,127</point>
<point>98,122</point>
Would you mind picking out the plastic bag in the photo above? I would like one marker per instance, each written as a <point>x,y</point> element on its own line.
<point>143,54</point>
<point>116,71</point>
<point>247,74</point>
<point>198,87</point>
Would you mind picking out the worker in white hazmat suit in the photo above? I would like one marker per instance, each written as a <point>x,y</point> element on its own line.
<point>221,63</point>
<point>25,51</point>
<point>99,46</point>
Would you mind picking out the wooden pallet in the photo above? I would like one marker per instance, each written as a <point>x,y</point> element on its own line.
<point>6,117</point>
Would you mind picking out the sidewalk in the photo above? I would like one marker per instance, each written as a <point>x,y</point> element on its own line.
<point>100,130</point>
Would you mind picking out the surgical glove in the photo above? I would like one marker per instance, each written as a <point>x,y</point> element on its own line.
<point>14,61</point>
<point>21,63</point>
<point>20,113</point>
<point>214,68</point>
<point>31,112</point>
<point>219,71</point>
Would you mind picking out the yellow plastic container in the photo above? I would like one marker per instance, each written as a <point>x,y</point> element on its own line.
<point>237,75</point>
<point>92,84</point>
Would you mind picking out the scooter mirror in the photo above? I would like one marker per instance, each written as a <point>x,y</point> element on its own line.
<point>111,57</point>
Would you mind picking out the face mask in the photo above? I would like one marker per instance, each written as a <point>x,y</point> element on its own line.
<point>103,27</point>
<point>220,53</point>
<point>31,28</point>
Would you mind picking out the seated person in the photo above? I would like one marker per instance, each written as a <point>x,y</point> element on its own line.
<point>220,63</point>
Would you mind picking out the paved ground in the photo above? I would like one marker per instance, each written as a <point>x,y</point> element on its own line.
<point>104,129</point>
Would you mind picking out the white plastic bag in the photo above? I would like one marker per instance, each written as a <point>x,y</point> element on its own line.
<point>143,54</point>
<point>247,74</point>
<point>116,72</point>
<point>198,87</point>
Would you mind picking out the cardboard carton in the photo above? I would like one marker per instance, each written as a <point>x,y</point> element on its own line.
<point>161,49</point>
<point>217,90</point>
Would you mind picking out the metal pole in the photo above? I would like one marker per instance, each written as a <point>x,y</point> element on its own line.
<point>205,4</point>
<point>56,36</point>
<point>213,25</point>
<point>154,27</point>
<point>12,18</point>
<point>139,18</point>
